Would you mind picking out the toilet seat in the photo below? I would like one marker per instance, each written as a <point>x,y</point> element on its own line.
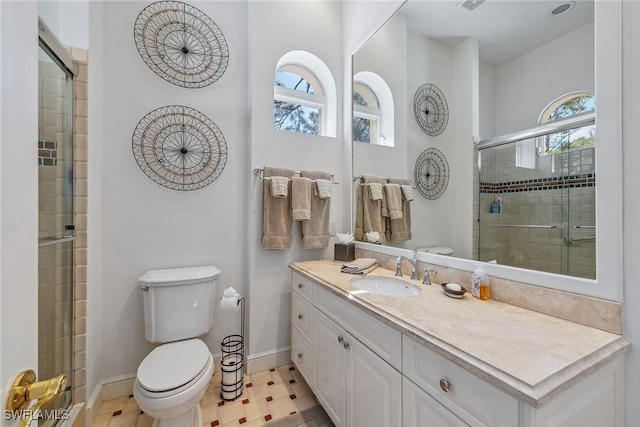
<point>171,368</point>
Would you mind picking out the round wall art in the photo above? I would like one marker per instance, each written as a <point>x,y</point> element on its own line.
<point>181,44</point>
<point>179,148</point>
<point>431,173</point>
<point>430,109</point>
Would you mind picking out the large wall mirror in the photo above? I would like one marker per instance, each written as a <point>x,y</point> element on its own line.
<point>516,79</point>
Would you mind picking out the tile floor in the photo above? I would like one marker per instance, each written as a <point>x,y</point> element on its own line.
<point>267,396</point>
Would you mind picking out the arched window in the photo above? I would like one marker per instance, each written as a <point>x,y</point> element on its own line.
<point>304,95</point>
<point>568,105</point>
<point>373,112</point>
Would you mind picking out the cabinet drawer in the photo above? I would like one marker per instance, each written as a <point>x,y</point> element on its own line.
<point>382,339</point>
<point>302,356</point>
<point>301,317</point>
<point>420,409</point>
<point>303,286</point>
<point>472,399</point>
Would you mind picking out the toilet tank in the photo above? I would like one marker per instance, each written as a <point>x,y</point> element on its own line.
<point>178,303</point>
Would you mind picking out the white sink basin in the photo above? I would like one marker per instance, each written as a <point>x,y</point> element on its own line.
<point>385,286</point>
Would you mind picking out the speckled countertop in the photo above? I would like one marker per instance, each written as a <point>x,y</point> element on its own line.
<point>529,355</point>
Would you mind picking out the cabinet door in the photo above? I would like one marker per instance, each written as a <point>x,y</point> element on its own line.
<point>420,409</point>
<point>302,356</point>
<point>374,388</point>
<point>329,372</point>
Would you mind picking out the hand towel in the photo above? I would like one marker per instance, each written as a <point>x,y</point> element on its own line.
<point>323,188</point>
<point>279,186</point>
<point>372,210</point>
<point>400,229</point>
<point>394,200</point>
<point>360,266</point>
<point>407,192</point>
<point>359,234</point>
<point>301,198</point>
<point>375,191</point>
<point>315,231</point>
<point>276,213</point>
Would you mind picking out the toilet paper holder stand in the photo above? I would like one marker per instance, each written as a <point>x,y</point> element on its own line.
<point>232,364</point>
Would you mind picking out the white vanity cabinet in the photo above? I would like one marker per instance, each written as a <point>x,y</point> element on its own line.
<point>371,370</point>
<point>355,385</point>
<point>473,400</point>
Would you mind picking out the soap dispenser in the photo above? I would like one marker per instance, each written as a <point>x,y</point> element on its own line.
<point>480,284</point>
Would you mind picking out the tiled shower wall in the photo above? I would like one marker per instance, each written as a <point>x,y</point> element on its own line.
<point>559,193</point>
<point>81,58</point>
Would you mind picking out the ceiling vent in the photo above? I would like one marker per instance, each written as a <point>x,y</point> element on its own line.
<point>471,5</point>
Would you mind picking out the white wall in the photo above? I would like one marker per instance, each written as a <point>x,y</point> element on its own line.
<point>385,54</point>
<point>19,192</point>
<point>277,28</point>
<point>527,84</point>
<point>67,20</point>
<point>146,226</point>
<point>631,150</point>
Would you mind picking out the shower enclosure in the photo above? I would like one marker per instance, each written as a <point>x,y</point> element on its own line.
<point>537,198</point>
<point>55,208</point>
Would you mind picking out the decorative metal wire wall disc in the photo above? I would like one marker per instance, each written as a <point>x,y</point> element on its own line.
<point>179,148</point>
<point>181,44</point>
<point>431,173</point>
<point>430,109</point>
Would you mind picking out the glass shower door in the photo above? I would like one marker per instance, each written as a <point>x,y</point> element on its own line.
<point>537,207</point>
<point>55,222</point>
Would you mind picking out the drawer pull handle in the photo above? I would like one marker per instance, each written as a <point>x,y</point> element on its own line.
<point>340,339</point>
<point>300,316</point>
<point>346,345</point>
<point>300,286</point>
<point>299,355</point>
<point>445,385</point>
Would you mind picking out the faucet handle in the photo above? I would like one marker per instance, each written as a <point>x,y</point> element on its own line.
<point>428,269</point>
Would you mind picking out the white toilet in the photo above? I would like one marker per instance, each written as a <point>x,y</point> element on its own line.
<point>178,307</point>
<point>439,250</point>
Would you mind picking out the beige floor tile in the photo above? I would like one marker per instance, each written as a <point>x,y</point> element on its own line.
<point>261,378</point>
<point>281,376</point>
<point>258,391</point>
<point>144,420</point>
<point>279,408</point>
<point>102,420</point>
<point>259,422</point>
<point>256,409</point>
<point>130,405</point>
<point>278,390</point>
<point>209,412</point>
<point>300,388</point>
<point>210,398</point>
<point>304,402</point>
<point>230,411</point>
<point>124,420</point>
<point>112,405</point>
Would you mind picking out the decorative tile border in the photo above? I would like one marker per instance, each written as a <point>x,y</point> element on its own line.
<point>540,184</point>
<point>47,153</point>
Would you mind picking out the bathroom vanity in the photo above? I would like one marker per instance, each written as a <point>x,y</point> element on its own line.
<point>377,360</point>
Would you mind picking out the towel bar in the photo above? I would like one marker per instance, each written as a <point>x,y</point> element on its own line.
<point>260,173</point>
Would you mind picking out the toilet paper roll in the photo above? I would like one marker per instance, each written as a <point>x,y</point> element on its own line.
<point>229,303</point>
<point>229,300</point>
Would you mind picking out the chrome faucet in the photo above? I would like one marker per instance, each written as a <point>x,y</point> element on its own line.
<point>412,263</point>
<point>427,280</point>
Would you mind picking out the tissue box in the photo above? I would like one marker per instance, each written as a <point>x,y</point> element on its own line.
<point>344,252</point>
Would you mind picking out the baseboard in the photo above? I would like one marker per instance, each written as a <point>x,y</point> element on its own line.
<point>111,388</point>
<point>268,359</point>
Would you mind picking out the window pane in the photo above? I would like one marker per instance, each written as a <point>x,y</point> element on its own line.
<point>292,81</point>
<point>361,129</point>
<point>296,118</point>
<point>573,139</point>
<point>571,107</point>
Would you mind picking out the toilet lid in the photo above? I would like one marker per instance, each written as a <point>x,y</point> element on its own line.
<point>172,365</point>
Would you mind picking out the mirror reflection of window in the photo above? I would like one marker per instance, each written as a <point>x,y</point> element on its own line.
<point>298,100</point>
<point>566,106</point>
<point>366,114</point>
